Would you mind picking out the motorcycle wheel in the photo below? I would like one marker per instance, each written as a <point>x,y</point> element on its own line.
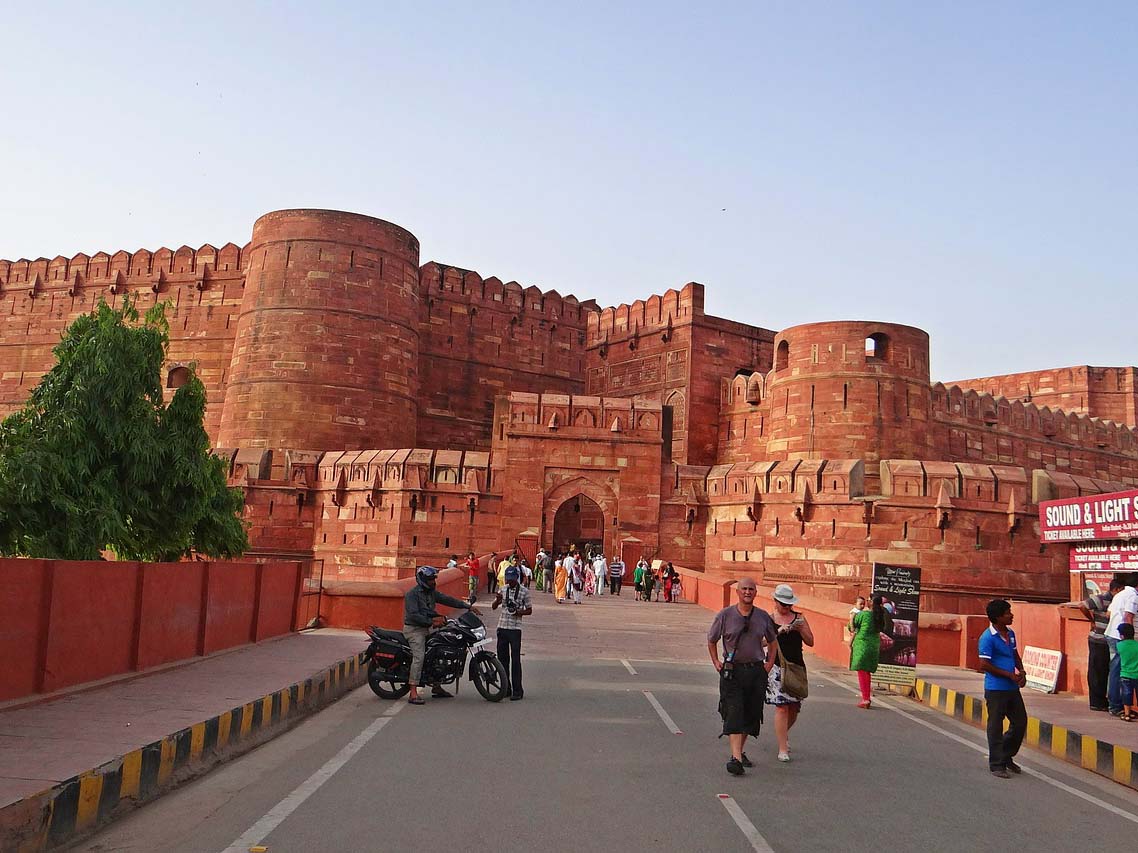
<point>384,688</point>
<point>489,677</point>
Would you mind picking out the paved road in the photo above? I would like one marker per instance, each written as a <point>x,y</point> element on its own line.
<point>587,763</point>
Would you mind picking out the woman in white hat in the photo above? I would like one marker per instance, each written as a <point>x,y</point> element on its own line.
<point>793,633</point>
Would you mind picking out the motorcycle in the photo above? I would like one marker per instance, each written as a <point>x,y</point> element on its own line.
<point>389,659</point>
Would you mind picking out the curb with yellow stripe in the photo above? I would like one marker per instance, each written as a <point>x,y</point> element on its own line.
<point>1115,762</point>
<point>75,807</point>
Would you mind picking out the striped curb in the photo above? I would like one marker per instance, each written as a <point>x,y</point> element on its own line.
<point>1115,762</point>
<point>79,805</point>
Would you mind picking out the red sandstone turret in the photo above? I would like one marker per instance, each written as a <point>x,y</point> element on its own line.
<point>849,390</point>
<point>327,344</point>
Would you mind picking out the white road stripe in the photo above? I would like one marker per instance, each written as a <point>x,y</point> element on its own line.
<point>668,721</point>
<point>983,750</point>
<point>277,814</point>
<point>753,835</point>
<point>628,666</point>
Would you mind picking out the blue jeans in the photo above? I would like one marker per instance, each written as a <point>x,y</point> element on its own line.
<point>1114,679</point>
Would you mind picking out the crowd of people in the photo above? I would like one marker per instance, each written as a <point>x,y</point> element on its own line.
<point>573,575</point>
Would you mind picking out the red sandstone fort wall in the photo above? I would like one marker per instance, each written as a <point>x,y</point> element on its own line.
<point>1110,393</point>
<point>479,338</point>
<point>666,349</point>
<point>39,299</point>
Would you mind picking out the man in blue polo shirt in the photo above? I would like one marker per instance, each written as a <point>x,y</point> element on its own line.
<point>1003,677</point>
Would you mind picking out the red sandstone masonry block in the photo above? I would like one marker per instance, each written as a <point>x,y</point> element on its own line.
<point>24,614</point>
<point>171,615</point>
<point>91,632</point>
<point>230,603</point>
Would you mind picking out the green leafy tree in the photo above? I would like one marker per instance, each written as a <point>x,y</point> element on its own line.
<point>96,460</point>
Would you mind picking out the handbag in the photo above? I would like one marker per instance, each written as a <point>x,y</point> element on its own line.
<point>794,681</point>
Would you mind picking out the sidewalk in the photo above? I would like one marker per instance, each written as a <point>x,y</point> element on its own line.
<point>70,762</point>
<point>1060,724</point>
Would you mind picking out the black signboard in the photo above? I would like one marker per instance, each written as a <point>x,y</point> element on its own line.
<point>900,587</point>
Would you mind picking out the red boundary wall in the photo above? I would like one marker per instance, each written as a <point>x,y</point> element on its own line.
<point>63,623</point>
<point>359,604</point>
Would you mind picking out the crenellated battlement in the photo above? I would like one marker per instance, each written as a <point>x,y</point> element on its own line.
<point>657,312</point>
<point>443,281</point>
<point>965,405</point>
<point>141,268</point>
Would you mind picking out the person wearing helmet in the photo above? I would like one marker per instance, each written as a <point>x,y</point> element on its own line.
<point>516,598</point>
<point>419,617</point>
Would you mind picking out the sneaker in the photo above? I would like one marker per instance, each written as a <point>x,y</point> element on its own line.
<point>735,767</point>
<point>1001,773</point>
<point>1014,768</point>
<point>438,693</point>
<point>515,697</point>
<point>784,757</point>
<point>747,761</point>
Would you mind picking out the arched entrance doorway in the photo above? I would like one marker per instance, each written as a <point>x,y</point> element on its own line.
<point>579,521</point>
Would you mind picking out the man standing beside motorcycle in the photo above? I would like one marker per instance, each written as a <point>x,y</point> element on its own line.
<point>419,617</point>
<point>516,600</point>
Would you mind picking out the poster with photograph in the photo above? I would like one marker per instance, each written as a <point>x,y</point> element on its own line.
<point>900,587</point>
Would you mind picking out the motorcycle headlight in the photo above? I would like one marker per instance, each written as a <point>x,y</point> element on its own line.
<point>480,633</point>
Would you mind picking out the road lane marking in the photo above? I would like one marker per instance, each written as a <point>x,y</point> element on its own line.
<point>278,813</point>
<point>759,843</point>
<point>628,666</point>
<point>668,721</point>
<point>983,750</point>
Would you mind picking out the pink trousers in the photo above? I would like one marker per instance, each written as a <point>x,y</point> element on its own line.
<point>864,684</point>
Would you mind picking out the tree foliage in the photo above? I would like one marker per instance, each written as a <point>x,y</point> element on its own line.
<point>96,460</point>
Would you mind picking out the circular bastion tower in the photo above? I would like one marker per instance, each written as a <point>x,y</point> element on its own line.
<point>850,390</point>
<point>326,350</point>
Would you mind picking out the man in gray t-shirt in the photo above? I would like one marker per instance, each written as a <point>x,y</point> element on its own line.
<point>748,636</point>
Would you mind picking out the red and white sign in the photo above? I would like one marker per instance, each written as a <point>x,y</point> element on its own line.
<point>1042,668</point>
<point>1104,557</point>
<point>1095,517</point>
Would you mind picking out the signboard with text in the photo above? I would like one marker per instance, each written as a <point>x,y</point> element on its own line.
<point>1107,557</point>
<point>1090,518</point>
<point>900,587</point>
<point>1042,668</point>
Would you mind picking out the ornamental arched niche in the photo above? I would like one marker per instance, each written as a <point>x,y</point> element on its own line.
<point>596,490</point>
<point>678,404</point>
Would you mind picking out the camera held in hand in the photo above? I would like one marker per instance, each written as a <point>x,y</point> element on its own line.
<point>512,607</point>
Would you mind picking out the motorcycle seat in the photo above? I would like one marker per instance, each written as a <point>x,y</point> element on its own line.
<point>384,633</point>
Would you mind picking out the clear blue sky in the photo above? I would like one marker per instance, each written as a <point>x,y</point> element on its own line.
<point>969,168</point>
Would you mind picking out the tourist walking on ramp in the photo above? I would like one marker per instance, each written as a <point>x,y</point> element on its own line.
<point>600,572</point>
<point>638,579</point>
<point>1003,677</point>
<point>560,579</point>
<point>577,577</point>
<point>786,688</point>
<point>590,579</point>
<point>867,626</point>
<point>616,574</point>
<point>748,636</point>
<point>649,582</point>
<point>492,573</point>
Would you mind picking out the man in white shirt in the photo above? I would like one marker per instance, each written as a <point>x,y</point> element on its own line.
<point>600,573</point>
<point>1122,610</point>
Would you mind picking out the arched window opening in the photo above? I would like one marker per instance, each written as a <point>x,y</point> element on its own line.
<point>177,377</point>
<point>782,356</point>
<point>877,347</point>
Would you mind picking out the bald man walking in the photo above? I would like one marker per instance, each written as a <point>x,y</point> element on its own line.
<point>748,635</point>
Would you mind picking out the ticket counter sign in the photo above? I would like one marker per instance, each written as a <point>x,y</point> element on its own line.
<point>1091,518</point>
<point>1108,557</point>
<point>1042,668</point>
